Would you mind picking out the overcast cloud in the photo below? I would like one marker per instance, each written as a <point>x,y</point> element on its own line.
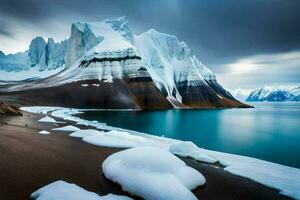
<point>241,41</point>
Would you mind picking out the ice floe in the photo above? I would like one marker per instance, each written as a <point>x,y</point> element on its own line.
<point>61,190</point>
<point>44,132</point>
<point>68,128</point>
<point>152,173</point>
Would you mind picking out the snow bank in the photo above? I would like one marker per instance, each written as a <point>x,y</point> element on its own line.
<point>107,141</point>
<point>85,133</point>
<point>152,173</point>
<point>117,139</point>
<point>283,178</point>
<point>68,128</point>
<point>61,190</point>
<point>44,132</point>
<point>189,149</point>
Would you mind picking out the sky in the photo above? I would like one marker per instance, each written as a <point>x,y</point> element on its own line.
<point>246,43</point>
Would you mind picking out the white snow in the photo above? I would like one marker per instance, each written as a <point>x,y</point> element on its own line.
<point>170,62</point>
<point>32,73</point>
<point>119,139</point>
<point>291,93</point>
<point>85,133</point>
<point>240,93</point>
<point>68,128</point>
<point>285,179</point>
<point>152,173</point>
<point>48,119</point>
<point>44,132</point>
<point>61,190</point>
<point>107,141</point>
<point>189,149</point>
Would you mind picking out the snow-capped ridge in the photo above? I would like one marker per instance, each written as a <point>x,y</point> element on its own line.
<point>121,25</point>
<point>275,93</point>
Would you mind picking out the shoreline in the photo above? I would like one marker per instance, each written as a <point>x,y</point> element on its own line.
<point>33,160</point>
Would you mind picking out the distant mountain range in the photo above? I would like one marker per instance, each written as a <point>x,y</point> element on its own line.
<point>269,94</point>
<point>104,65</point>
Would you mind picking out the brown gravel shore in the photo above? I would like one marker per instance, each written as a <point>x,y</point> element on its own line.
<point>29,161</point>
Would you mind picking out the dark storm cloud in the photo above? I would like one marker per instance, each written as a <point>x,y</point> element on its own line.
<point>215,30</point>
<point>4,29</point>
<point>218,32</point>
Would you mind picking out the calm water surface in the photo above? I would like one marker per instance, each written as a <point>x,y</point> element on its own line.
<point>271,131</point>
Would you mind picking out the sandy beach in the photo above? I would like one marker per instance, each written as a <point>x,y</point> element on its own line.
<point>30,160</point>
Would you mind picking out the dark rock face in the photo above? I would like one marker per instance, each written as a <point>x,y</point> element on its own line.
<point>129,93</point>
<point>121,94</point>
<point>6,109</point>
<point>211,95</point>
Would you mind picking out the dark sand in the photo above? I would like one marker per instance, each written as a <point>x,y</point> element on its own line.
<point>29,161</point>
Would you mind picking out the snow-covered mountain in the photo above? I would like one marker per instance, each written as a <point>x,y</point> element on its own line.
<point>275,94</point>
<point>241,94</point>
<point>42,59</point>
<point>106,66</point>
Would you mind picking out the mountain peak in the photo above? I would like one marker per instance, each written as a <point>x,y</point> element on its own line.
<point>121,25</point>
<point>117,20</point>
<point>2,54</point>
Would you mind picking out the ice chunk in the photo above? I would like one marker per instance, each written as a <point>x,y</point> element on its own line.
<point>69,128</point>
<point>61,190</point>
<point>189,149</point>
<point>44,132</point>
<point>152,173</point>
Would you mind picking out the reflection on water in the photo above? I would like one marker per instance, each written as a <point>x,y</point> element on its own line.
<point>270,131</point>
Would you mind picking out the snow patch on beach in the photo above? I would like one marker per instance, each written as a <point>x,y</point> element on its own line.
<point>283,178</point>
<point>118,139</point>
<point>44,132</point>
<point>68,128</point>
<point>158,174</point>
<point>105,140</point>
<point>61,190</point>
<point>47,119</point>
<point>85,133</point>
<point>189,149</point>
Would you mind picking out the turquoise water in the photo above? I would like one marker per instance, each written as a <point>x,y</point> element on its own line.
<point>271,131</point>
